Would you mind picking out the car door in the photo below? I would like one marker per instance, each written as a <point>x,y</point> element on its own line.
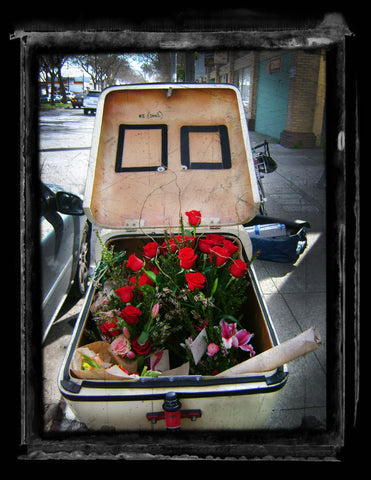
<point>57,246</point>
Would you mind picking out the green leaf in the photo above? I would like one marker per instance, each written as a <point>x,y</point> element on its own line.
<point>90,361</point>
<point>151,373</point>
<point>140,362</point>
<point>143,337</point>
<point>148,289</point>
<point>230,317</point>
<point>151,275</point>
<point>215,286</point>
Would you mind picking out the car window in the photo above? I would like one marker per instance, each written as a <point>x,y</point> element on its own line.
<point>93,94</point>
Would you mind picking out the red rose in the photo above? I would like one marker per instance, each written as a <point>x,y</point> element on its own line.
<point>238,268</point>
<point>172,244</point>
<point>195,280</point>
<point>230,247</point>
<point>215,239</point>
<point>186,257</point>
<point>134,263</point>
<point>125,294</point>
<point>132,280</point>
<point>194,218</point>
<point>221,255</point>
<point>131,314</point>
<point>140,349</point>
<point>150,250</point>
<point>144,280</point>
<point>205,245</point>
<point>188,241</point>
<point>110,328</point>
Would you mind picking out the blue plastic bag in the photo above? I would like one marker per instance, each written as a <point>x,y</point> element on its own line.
<point>280,249</point>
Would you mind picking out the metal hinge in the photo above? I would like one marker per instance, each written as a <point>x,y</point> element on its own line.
<point>213,222</point>
<point>133,224</point>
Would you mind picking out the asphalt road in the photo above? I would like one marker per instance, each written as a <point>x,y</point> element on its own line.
<point>65,140</point>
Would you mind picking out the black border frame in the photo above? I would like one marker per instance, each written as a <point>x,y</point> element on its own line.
<point>343,439</point>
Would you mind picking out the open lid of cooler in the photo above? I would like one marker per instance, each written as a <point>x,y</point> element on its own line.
<point>160,150</point>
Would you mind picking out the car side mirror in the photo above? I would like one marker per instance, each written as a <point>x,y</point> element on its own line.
<point>68,203</point>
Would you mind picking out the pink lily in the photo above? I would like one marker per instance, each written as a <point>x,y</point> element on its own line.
<point>228,331</point>
<point>236,338</point>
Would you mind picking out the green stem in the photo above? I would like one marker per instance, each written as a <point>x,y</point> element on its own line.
<point>230,280</point>
<point>205,258</point>
<point>164,273</point>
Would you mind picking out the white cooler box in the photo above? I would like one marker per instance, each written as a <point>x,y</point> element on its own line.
<point>157,151</point>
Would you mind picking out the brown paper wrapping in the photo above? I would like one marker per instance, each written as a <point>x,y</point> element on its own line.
<point>112,360</point>
<point>106,354</point>
<point>273,358</point>
<point>178,371</point>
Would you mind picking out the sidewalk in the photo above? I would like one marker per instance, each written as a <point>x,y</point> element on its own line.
<point>295,295</point>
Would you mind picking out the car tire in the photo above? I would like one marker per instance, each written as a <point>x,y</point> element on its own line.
<point>80,283</point>
<point>86,111</point>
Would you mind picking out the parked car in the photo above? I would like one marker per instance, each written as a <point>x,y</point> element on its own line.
<point>44,99</point>
<point>57,98</point>
<point>65,250</point>
<point>91,101</point>
<point>77,100</point>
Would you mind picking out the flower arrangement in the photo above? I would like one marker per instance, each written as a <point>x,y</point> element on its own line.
<point>184,294</point>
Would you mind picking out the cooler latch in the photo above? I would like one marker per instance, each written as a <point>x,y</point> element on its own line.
<point>172,413</point>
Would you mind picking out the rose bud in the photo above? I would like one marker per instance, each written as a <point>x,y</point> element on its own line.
<point>126,332</point>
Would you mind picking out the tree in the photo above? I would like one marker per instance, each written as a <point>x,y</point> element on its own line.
<point>164,73</point>
<point>154,64</point>
<point>108,69</point>
<point>61,61</point>
<point>47,64</point>
<point>103,69</point>
<point>50,65</point>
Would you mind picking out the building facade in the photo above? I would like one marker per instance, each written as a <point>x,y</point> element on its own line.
<point>283,91</point>
<point>71,85</point>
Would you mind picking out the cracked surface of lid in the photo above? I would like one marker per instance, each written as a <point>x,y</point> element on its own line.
<point>163,149</point>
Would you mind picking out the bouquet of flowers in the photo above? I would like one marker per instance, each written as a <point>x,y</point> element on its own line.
<point>184,294</point>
